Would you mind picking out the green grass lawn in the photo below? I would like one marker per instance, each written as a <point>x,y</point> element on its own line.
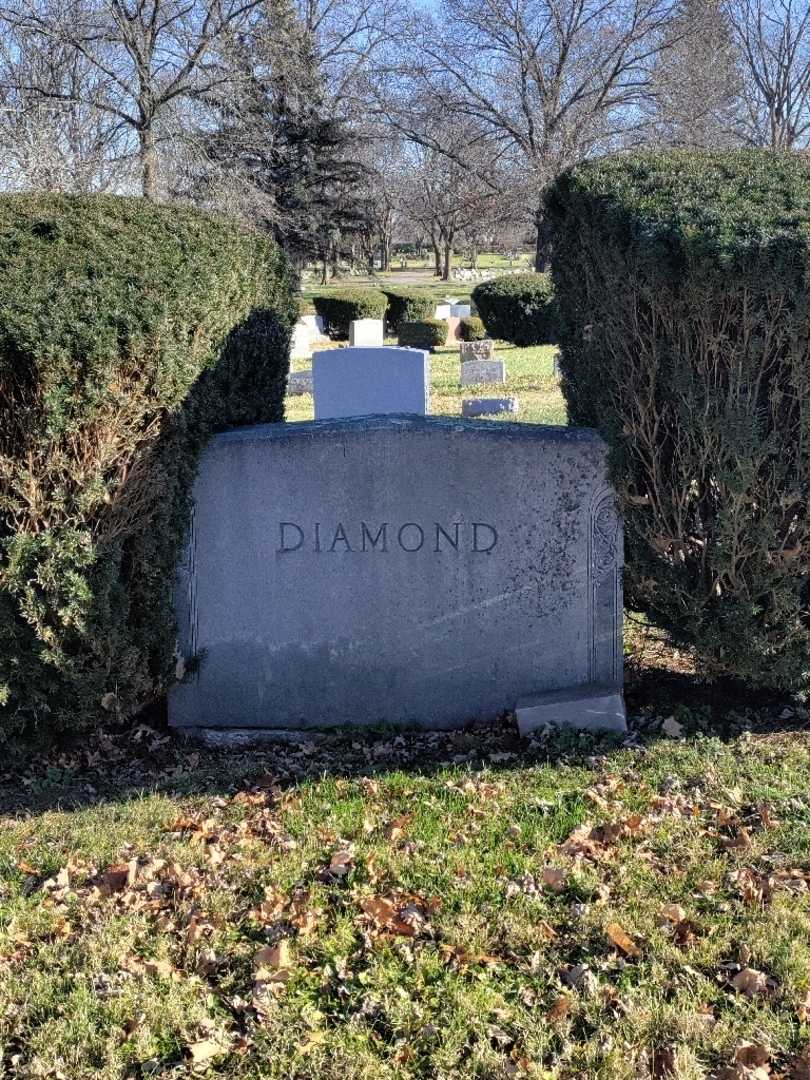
<point>461,906</point>
<point>530,378</point>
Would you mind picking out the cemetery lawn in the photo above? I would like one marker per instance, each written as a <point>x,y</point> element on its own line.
<point>530,378</point>
<point>458,906</point>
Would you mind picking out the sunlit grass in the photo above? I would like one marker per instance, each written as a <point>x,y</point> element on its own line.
<point>530,378</point>
<point>500,975</point>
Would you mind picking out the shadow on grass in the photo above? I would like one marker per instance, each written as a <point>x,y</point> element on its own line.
<point>117,764</point>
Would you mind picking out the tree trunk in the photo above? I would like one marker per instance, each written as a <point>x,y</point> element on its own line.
<point>542,254</point>
<point>437,258</point>
<point>474,256</point>
<point>148,160</point>
<point>385,253</point>
<point>448,260</point>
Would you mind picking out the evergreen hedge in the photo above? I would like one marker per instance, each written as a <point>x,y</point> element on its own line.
<point>519,308</point>
<point>471,328</point>
<point>407,305</point>
<point>682,281</point>
<point>129,334</point>
<point>344,306</point>
<point>426,334</point>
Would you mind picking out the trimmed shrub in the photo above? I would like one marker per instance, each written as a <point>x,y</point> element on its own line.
<point>426,334</point>
<point>518,308</point>
<point>472,328</point>
<point>343,306</point>
<point>129,334</point>
<point>407,305</point>
<point>682,281</point>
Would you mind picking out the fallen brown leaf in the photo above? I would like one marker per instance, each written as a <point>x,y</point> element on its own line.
<point>622,940</point>
<point>560,1008</point>
<point>396,829</point>
<point>554,879</point>
<point>750,982</point>
<point>673,913</point>
<point>274,956</point>
<point>205,1050</point>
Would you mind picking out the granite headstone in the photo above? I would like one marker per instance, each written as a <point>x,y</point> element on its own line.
<point>477,350</point>
<point>483,371</point>
<point>359,382</point>
<point>399,570</point>
<point>299,382</point>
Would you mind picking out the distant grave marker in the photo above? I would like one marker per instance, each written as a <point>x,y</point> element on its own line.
<point>483,371</point>
<point>488,406</point>
<point>366,333</point>
<point>477,350</point>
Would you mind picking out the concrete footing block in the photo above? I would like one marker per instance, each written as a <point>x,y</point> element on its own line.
<point>591,708</point>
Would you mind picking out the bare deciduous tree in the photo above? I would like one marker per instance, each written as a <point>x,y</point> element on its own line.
<point>58,142</point>
<point>696,97</point>
<point>144,55</point>
<point>549,81</point>
<point>347,35</point>
<point>774,39</point>
<point>447,196</point>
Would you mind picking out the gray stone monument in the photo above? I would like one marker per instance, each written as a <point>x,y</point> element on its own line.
<point>488,406</point>
<point>359,382</point>
<point>477,350</point>
<point>299,382</point>
<point>483,371</point>
<point>400,570</point>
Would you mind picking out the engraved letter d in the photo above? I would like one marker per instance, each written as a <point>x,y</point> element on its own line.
<point>282,530</point>
<point>482,525</point>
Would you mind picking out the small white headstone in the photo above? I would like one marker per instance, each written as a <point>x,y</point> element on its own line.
<point>483,371</point>
<point>301,342</point>
<point>315,325</point>
<point>364,381</point>
<point>460,311</point>
<point>366,333</point>
<point>443,311</point>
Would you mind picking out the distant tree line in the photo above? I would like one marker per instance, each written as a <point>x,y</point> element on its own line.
<point>340,126</point>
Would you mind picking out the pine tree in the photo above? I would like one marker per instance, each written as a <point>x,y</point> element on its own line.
<point>276,137</point>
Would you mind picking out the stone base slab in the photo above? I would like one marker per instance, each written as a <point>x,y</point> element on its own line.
<point>592,708</point>
<point>488,406</point>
